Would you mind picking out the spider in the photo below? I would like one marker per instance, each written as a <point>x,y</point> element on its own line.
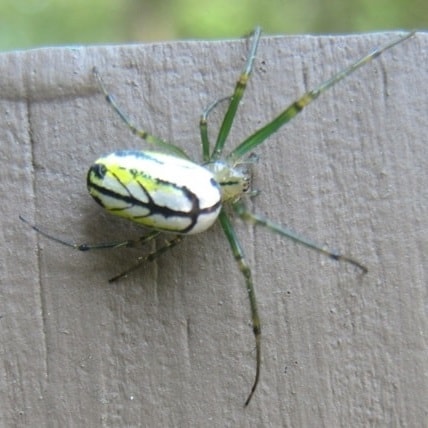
<point>165,191</point>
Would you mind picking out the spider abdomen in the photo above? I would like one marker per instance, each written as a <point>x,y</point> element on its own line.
<point>156,190</point>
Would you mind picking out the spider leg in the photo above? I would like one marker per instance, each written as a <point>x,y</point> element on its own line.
<point>130,243</point>
<point>236,97</point>
<point>246,272</point>
<point>255,219</point>
<point>150,257</point>
<point>203,127</point>
<point>297,106</point>
<point>157,142</point>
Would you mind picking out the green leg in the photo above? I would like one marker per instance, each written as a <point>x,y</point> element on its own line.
<point>245,270</point>
<point>236,97</point>
<point>203,127</point>
<point>157,143</point>
<point>251,218</point>
<point>297,106</point>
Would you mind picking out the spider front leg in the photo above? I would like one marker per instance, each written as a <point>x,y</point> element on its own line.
<point>238,254</point>
<point>297,106</point>
<point>248,217</point>
<point>236,97</point>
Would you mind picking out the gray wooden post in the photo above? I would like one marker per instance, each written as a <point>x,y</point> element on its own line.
<point>171,345</point>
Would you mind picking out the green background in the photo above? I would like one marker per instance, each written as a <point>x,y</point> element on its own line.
<point>31,23</point>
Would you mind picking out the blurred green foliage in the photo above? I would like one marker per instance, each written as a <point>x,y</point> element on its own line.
<point>30,23</point>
